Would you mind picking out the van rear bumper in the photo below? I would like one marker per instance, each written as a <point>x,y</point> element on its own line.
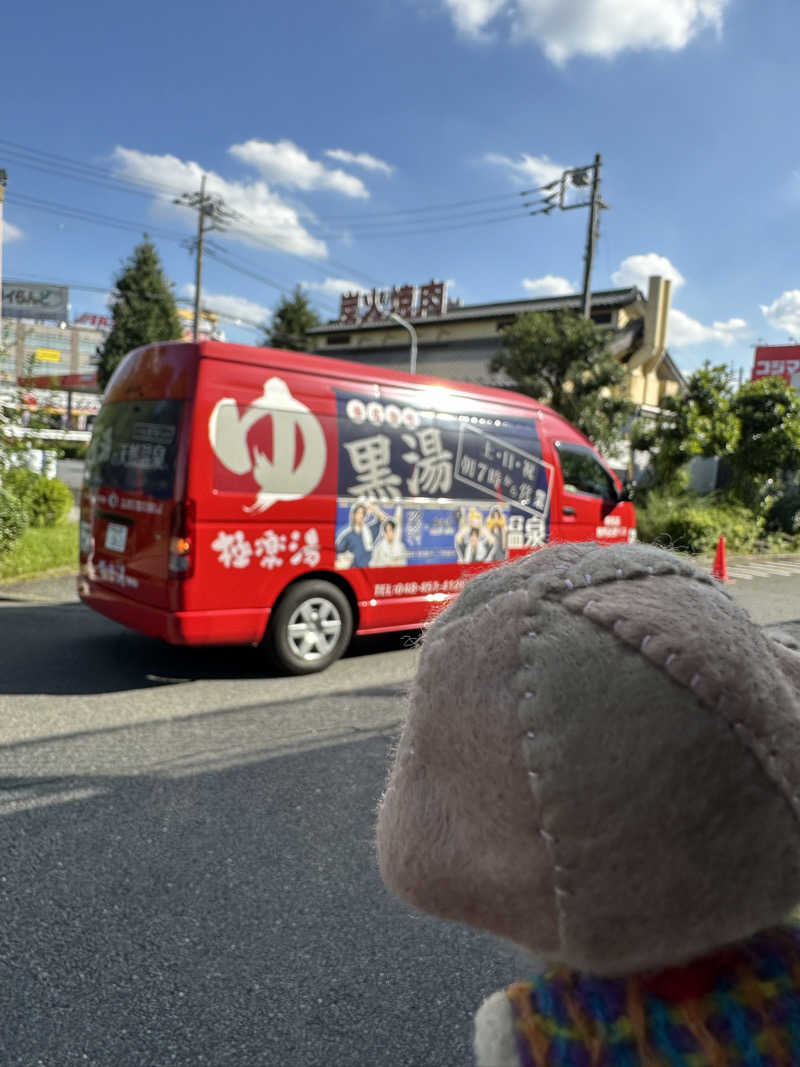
<point>225,627</point>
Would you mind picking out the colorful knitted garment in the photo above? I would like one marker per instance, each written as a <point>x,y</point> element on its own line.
<point>745,1013</point>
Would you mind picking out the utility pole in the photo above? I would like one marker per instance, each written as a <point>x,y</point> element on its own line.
<point>211,215</point>
<point>198,269</point>
<point>3,184</point>
<point>591,238</point>
<point>557,197</point>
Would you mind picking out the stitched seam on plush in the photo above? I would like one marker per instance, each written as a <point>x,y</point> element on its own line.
<point>554,594</point>
<point>527,720</point>
<point>757,748</point>
<point>536,596</point>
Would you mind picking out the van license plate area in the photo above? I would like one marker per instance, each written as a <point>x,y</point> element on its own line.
<point>116,537</point>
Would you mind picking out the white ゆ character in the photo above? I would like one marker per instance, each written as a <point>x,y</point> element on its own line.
<point>283,477</point>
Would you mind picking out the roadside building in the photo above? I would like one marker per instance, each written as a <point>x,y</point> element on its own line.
<point>53,360</point>
<point>458,341</point>
<point>32,349</point>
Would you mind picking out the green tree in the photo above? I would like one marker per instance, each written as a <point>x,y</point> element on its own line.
<point>699,422</point>
<point>768,411</point>
<point>143,310</point>
<point>564,361</point>
<point>292,320</point>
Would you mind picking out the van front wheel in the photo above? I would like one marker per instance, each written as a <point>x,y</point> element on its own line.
<point>310,628</point>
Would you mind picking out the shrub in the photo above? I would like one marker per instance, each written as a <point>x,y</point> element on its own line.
<point>21,482</point>
<point>13,519</point>
<point>695,524</point>
<point>783,515</point>
<point>52,502</point>
<point>74,449</point>
<point>46,501</point>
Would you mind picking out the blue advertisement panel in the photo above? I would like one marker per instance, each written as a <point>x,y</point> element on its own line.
<point>421,487</point>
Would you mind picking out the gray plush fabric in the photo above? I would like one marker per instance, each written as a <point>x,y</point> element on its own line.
<point>601,762</point>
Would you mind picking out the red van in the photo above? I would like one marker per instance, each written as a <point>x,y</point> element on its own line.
<point>247,495</point>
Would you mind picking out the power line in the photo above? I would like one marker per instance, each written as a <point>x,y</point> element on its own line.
<point>73,168</point>
<point>454,222</point>
<point>77,177</point>
<point>314,264</point>
<point>454,226</point>
<point>85,215</point>
<point>442,205</point>
<point>394,222</point>
<point>65,167</point>
<point>65,211</point>
<point>215,254</point>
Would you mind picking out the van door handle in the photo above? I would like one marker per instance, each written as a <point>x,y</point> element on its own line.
<point>567,511</point>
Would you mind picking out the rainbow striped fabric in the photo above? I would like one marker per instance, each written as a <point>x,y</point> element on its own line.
<point>749,1016</point>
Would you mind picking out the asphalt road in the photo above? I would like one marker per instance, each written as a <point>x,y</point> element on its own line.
<point>188,873</point>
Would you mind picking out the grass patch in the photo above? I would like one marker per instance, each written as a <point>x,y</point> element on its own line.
<point>42,550</point>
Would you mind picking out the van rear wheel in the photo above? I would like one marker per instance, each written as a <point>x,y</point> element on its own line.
<point>310,628</point>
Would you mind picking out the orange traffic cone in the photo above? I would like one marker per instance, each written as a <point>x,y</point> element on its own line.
<point>720,568</point>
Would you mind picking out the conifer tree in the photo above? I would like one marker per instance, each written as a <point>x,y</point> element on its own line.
<point>143,309</point>
<point>292,320</point>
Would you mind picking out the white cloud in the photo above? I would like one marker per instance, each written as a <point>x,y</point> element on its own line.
<point>472,17</point>
<point>285,163</point>
<point>233,307</point>
<point>565,28</point>
<point>528,170</point>
<point>684,330</point>
<point>336,286</point>
<point>784,313</point>
<point>268,219</point>
<point>637,270</point>
<point>359,159</point>
<point>11,232</point>
<point>549,285</point>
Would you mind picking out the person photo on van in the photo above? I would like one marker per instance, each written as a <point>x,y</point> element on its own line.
<point>498,536</point>
<point>389,549</point>
<point>472,545</point>
<point>355,543</point>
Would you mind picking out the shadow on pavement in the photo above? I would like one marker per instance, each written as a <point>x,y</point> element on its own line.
<point>224,918</point>
<point>64,648</point>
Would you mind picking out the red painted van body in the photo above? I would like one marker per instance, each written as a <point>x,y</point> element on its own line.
<point>229,489</point>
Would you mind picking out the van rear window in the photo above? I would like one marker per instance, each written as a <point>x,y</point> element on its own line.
<point>134,446</point>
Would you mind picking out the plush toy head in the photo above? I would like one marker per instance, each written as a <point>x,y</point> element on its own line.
<point>601,763</point>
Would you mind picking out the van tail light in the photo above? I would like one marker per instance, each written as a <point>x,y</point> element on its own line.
<point>182,540</point>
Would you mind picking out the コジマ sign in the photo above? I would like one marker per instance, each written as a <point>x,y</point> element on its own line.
<point>782,361</point>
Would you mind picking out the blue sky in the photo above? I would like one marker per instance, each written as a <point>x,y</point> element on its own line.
<point>316,121</point>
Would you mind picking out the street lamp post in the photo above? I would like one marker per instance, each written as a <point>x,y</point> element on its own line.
<point>407,325</point>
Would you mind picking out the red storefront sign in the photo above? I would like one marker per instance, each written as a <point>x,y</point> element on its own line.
<point>408,301</point>
<point>782,361</point>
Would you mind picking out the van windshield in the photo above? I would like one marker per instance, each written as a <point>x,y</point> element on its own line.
<point>134,447</point>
